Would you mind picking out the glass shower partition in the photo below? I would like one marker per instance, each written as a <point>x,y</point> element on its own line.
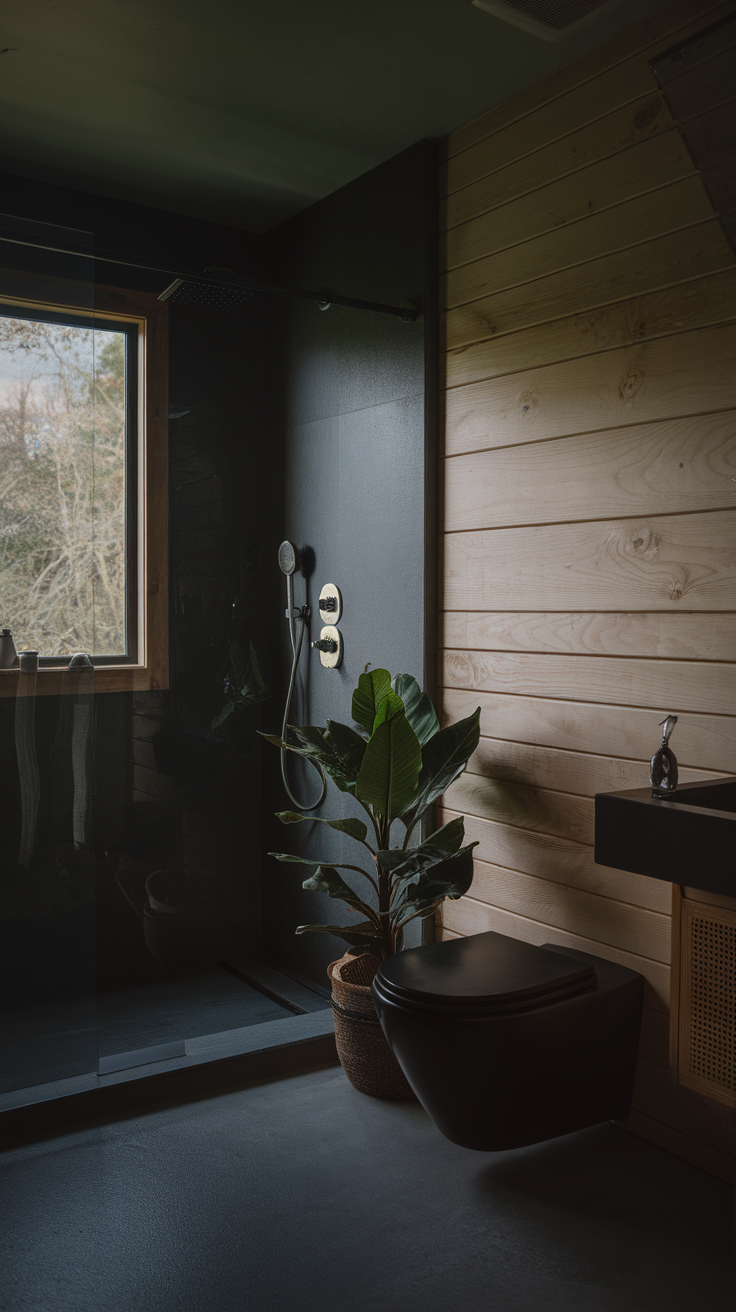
<point>130,854</point>
<point>48,1029</point>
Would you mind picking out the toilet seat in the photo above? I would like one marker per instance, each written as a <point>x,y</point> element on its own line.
<point>506,1043</point>
<point>482,975</point>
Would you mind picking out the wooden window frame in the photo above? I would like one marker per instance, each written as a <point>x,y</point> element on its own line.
<point>151,670</point>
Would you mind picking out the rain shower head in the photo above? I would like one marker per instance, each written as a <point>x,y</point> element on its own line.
<point>204,295</point>
<point>288,558</point>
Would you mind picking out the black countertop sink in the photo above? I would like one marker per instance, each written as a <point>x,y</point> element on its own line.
<point>690,840</point>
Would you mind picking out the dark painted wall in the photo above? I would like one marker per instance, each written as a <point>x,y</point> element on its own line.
<point>134,232</point>
<point>349,421</point>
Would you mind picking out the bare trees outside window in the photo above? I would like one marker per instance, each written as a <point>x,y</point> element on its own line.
<point>62,484</point>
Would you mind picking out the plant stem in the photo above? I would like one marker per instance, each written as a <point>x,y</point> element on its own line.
<point>360,871</point>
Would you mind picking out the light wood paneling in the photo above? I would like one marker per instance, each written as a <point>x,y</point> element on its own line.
<point>660,468</point>
<point>696,304</point>
<point>634,633</point>
<point>471,917</point>
<point>633,929</point>
<point>589,578</point>
<point>567,180</point>
<point>561,860</point>
<point>707,742</point>
<point>571,139</point>
<point>673,258</point>
<point>547,810</point>
<point>585,83</point>
<point>678,561</point>
<point>567,772</point>
<point>677,206</point>
<point>689,374</point>
<point>685,685</point>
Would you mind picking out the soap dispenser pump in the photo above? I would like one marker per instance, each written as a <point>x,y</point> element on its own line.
<point>663,775</point>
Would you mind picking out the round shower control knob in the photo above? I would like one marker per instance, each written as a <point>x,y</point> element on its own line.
<point>330,604</point>
<point>329,647</point>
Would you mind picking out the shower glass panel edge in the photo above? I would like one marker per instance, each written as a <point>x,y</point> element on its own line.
<point>48,1028</point>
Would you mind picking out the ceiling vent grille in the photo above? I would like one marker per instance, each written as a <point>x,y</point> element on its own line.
<point>552,20</point>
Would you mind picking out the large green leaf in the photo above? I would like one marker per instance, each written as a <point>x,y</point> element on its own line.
<point>290,859</point>
<point>363,935</point>
<point>354,827</point>
<point>318,746</point>
<point>297,860</point>
<point>419,709</point>
<point>419,889</point>
<point>326,880</point>
<point>442,843</point>
<point>388,776</point>
<point>389,707</point>
<point>444,757</point>
<point>373,688</point>
<point>349,747</point>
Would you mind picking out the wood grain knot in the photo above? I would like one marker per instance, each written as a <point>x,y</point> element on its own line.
<point>630,386</point>
<point>646,543</point>
<point>645,116</point>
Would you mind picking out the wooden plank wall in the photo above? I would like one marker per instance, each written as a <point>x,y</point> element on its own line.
<point>589,509</point>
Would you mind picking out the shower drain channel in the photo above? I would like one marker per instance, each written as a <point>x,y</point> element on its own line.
<point>125,1061</point>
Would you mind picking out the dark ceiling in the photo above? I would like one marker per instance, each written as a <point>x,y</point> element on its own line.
<point>245,112</point>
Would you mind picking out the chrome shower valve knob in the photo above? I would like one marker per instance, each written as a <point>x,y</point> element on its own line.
<point>330,604</point>
<point>329,646</point>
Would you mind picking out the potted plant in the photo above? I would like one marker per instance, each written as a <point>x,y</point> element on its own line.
<point>395,763</point>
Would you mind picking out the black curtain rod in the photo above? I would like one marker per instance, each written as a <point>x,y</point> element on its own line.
<point>407,313</point>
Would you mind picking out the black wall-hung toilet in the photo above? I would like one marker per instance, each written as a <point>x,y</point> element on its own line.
<point>505,1043</point>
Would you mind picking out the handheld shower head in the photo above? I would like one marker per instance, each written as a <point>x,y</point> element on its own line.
<point>288,563</point>
<point>288,558</point>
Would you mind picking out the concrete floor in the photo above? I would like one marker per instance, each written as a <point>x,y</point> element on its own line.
<point>179,1006</point>
<point>304,1196</point>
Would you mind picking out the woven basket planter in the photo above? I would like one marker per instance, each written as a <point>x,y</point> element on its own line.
<point>365,1056</point>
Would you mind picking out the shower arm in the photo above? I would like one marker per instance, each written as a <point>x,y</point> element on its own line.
<point>407,313</point>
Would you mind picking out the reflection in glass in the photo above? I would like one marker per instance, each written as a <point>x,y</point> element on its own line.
<point>47,964</point>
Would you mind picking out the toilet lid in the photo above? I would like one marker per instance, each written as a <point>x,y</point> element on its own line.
<point>488,972</point>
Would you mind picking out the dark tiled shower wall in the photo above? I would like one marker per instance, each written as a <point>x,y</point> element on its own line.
<point>350,421</point>
<point>168,791</point>
<point>194,800</point>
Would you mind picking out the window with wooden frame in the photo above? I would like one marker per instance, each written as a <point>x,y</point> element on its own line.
<point>83,484</point>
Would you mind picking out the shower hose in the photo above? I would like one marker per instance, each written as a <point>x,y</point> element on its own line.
<point>296,648</point>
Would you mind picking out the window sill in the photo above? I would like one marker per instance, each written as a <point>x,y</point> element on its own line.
<point>108,678</point>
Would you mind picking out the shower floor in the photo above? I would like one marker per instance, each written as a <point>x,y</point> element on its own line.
<point>182,1006</point>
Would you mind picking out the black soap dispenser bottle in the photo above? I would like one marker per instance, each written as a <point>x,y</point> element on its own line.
<point>663,775</point>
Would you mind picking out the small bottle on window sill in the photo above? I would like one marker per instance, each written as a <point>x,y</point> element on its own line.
<point>8,654</point>
<point>663,775</point>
